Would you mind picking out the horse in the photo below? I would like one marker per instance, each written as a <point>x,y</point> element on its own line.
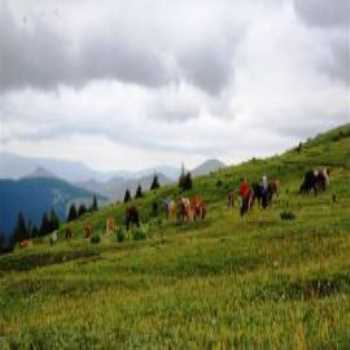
<point>184,210</point>
<point>68,233</point>
<point>88,230</point>
<point>198,207</point>
<point>110,225</point>
<point>170,208</point>
<point>132,217</point>
<point>230,199</point>
<point>315,180</point>
<point>265,196</point>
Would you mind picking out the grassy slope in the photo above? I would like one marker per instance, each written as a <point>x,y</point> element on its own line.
<point>227,282</point>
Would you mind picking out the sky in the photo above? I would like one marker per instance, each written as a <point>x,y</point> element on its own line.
<point>138,83</point>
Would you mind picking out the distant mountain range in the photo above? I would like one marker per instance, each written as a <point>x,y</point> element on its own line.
<point>207,167</point>
<point>35,185</point>
<point>13,166</point>
<point>115,188</point>
<point>35,195</point>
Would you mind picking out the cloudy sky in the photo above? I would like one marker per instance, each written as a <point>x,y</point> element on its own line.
<point>137,83</point>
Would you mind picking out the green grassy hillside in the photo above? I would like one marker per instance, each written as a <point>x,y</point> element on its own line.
<point>227,282</point>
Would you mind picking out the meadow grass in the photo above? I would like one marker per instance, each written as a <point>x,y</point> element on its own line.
<point>227,282</point>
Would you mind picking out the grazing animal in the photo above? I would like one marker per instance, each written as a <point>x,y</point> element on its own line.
<point>68,233</point>
<point>88,230</point>
<point>230,199</point>
<point>184,210</point>
<point>132,217</point>
<point>170,209</point>
<point>25,243</point>
<point>264,196</point>
<point>199,208</point>
<point>54,237</point>
<point>315,180</point>
<point>110,225</point>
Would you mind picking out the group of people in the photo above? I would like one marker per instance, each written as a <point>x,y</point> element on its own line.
<point>263,192</point>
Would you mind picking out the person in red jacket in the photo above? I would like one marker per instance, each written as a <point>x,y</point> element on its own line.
<point>245,193</point>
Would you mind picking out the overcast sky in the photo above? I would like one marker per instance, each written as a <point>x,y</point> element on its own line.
<point>137,83</point>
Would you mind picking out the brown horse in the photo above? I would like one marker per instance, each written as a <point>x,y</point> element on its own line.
<point>132,217</point>
<point>68,233</point>
<point>199,208</point>
<point>110,225</point>
<point>88,229</point>
<point>231,199</point>
<point>184,210</point>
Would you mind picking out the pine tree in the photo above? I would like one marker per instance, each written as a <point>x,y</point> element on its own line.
<point>155,183</point>
<point>188,181</point>
<point>20,231</point>
<point>72,214</point>
<point>139,193</point>
<point>54,221</point>
<point>94,206</point>
<point>182,178</point>
<point>185,182</point>
<point>127,196</point>
<point>82,210</point>
<point>45,225</point>
<point>2,242</point>
<point>35,232</point>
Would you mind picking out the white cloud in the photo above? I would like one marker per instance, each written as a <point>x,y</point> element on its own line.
<point>132,85</point>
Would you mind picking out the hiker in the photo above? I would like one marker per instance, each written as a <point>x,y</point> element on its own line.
<point>246,195</point>
<point>264,192</point>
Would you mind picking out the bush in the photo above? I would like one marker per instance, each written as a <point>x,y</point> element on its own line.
<point>120,234</point>
<point>96,238</point>
<point>287,215</point>
<point>140,233</point>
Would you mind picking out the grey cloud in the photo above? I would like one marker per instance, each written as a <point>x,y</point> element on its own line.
<point>324,13</point>
<point>34,55</point>
<point>29,57</point>
<point>339,65</point>
<point>209,68</point>
<point>179,113</point>
<point>333,17</point>
<point>42,59</point>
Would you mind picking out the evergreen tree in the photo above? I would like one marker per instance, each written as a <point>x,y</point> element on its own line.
<point>94,206</point>
<point>127,196</point>
<point>29,229</point>
<point>82,210</point>
<point>185,182</point>
<point>188,181</point>
<point>35,232</point>
<point>20,231</point>
<point>139,193</point>
<point>155,183</point>
<point>72,214</point>
<point>54,221</point>
<point>182,178</point>
<point>45,226</point>
<point>2,242</point>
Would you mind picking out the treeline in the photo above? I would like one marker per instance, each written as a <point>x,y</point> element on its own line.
<point>25,229</point>
<point>184,183</point>
<point>74,212</point>
<point>139,193</point>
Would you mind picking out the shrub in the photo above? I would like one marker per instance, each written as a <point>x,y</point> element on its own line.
<point>140,233</point>
<point>219,183</point>
<point>287,215</point>
<point>120,234</point>
<point>96,238</point>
